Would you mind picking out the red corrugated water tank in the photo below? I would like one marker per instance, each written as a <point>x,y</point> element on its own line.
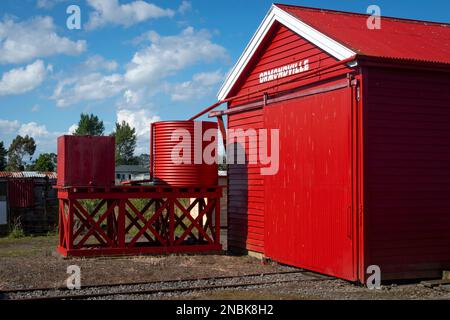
<point>167,139</point>
<point>86,161</point>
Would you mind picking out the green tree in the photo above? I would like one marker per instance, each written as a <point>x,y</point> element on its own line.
<point>46,162</point>
<point>3,154</point>
<point>125,144</point>
<point>144,160</point>
<point>20,148</point>
<point>89,125</point>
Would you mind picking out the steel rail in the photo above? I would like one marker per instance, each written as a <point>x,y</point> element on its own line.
<point>157,291</point>
<point>100,286</point>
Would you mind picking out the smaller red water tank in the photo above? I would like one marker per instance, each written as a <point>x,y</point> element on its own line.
<point>86,161</point>
<point>166,139</point>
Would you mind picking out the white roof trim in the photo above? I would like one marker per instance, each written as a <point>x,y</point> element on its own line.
<point>324,42</point>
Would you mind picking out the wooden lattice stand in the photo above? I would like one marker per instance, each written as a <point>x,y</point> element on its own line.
<point>129,220</point>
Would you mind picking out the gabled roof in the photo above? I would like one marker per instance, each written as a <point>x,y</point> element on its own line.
<point>345,34</point>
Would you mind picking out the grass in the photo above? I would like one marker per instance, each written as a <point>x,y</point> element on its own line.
<point>27,246</point>
<point>16,233</point>
<point>16,230</point>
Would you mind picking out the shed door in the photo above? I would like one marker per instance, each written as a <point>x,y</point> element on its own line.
<point>308,202</point>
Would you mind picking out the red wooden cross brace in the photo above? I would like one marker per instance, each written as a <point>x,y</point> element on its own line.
<point>147,224</point>
<point>194,223</point>
<point>134,220</point>
<point>84,222</point>
<point>180,218</point>
<point>95,225</point>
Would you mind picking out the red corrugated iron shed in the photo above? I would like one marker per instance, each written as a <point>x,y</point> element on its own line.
<point>364,170</point>
<point>21,186</point>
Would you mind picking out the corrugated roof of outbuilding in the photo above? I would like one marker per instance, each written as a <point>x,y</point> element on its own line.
<point>27,174</point>
<point>398,38</point>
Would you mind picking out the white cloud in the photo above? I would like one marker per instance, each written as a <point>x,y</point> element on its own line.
<point>24,41</point>
<point>93,86</point>
<point>72,129</point>
<point>45,139</point>
<point>96,62</point>
<point>185,7</point>
<point>112,12</point>
<point>89,82</point>
<point>140,120</point>
<point>167,55</point>
<point>8,126</point>
<point>34,130</point>
<point>201,85</point>
<point>133,99</point>
<point>21,80</point>
<point>48,4</point>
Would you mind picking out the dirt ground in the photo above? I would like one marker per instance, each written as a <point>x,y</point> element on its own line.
<point>32,263</point>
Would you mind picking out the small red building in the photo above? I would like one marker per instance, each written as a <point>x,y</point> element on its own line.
<point>364,120</point>
<point>28,201</point>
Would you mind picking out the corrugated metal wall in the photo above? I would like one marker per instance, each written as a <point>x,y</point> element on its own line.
<point>31,203</point>
<point>246,185</point>
<point>283,47</point>
<point>20,193</point>
<point>408,172</point>
<point>309,220</point>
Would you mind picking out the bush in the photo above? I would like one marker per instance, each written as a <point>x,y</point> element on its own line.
<point>16,231</point>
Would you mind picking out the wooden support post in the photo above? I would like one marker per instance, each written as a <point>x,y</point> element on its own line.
<point>171,221</point>
<point>61,222</point>
<point>69,230</point>
<point>121,224</point>
<point>217,221</point>
<point>111,223</point>
<point>201,207</point>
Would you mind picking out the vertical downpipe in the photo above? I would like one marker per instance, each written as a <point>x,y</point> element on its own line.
<point>152,150</point>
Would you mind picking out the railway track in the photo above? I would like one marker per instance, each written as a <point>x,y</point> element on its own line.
<point>161,288</point>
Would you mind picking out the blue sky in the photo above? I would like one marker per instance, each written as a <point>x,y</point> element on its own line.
<point>132,61</point>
